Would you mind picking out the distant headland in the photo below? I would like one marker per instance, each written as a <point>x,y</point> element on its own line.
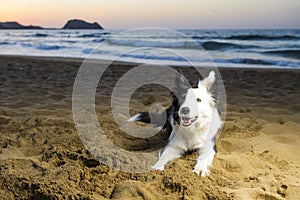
<point>16,25</point>
<point>80,24</point>
<point>71,24</point>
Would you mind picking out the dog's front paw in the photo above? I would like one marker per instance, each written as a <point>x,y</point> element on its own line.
<point>157,167</point>
<point>201,168</point>
<point>201,172</point>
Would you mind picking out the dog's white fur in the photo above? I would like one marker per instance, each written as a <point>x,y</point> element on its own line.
<point>202,124</point>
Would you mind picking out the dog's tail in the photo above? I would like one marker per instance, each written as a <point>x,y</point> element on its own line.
<point>142,117</point>
<point>159,120</point>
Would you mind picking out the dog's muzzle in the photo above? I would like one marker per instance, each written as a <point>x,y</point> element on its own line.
<point>187,121</point>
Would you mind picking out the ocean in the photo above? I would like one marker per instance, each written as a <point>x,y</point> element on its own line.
<point>224,48</point>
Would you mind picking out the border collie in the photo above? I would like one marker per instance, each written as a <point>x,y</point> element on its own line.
<point>192,121</point>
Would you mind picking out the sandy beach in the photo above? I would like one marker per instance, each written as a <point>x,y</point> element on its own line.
<point>42,156</point>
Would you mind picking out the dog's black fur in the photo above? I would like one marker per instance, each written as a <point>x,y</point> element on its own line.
<point>178,96</point>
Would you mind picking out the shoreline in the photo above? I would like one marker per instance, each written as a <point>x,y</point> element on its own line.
<point>42,156</point>
<point>78,59</point>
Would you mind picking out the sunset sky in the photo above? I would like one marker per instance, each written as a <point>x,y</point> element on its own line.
<point>178,14</point>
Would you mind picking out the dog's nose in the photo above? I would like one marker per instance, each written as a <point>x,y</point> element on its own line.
<point>185,110</point>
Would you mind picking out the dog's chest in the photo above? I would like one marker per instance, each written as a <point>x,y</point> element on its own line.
<point>191,138</point>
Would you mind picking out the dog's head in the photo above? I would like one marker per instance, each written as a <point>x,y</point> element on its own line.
<point>198,106</point>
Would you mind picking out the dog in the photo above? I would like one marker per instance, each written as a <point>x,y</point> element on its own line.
<point>193,122</point>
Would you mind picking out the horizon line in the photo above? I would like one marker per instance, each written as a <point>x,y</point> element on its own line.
<point>177,28</point>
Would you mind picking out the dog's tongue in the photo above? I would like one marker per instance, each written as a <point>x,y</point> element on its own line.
<point>186,119</point>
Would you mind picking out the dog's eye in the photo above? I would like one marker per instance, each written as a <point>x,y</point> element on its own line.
<point>198,99</point>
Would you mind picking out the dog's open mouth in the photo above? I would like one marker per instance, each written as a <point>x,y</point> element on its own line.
<point>187,121</point>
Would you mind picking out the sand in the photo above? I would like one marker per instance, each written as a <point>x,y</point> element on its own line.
<point>42,156</point>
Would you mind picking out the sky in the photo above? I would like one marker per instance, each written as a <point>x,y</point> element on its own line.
<point>176,14</point>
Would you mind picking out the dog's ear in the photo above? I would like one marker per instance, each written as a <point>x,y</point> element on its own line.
<point>181,87</point>
<point>208,81</point>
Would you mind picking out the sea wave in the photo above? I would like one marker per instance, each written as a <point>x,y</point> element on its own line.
<point>154,57</point>
<point>97,51</point>
<point>201,37</point>
<point>43,46</point>
<point>93,35</point>
<point>36,35</point>
<point>247,37</point>
<point>26,45</point>
<point>49,47</point>
<point>261,37</point>
<point>89,35</point>
<point>69,41</point>
<point>7,43</point>
<point>98,40</point>
<point>286,53</point>
<point>184,44</point>
<point>213,46</point>
<point>153,43</point>
<point>40,35</point>
<point>250,61</point>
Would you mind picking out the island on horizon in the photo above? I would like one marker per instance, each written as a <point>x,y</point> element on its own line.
<point>70,24</point>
